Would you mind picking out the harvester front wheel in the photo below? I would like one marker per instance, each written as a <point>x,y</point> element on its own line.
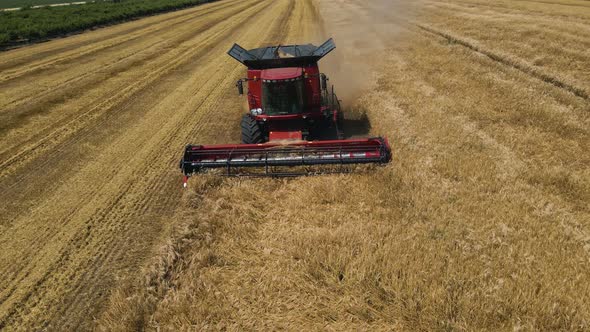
<point>251,131</point>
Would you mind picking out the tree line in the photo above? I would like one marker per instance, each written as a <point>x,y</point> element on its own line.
<point>29,24</point>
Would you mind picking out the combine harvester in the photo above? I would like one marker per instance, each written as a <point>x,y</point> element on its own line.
<point>294,120</point>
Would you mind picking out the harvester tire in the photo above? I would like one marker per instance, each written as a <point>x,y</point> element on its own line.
<point>251,131</point>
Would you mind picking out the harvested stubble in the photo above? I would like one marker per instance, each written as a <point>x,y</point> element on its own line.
<point>480,222</point>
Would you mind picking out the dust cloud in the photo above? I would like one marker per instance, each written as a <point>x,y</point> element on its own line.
<point>362,30</point>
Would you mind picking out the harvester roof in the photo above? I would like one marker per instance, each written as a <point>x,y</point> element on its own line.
<point>281,73</point>
<point>281,56</point>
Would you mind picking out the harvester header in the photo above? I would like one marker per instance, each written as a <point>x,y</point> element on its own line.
<point>293,120</point>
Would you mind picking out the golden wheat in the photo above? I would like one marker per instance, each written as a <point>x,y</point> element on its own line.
<point>481,221</point>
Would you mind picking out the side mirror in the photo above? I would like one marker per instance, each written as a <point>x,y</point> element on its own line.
<point>240,85</point>
<point>323,82</point>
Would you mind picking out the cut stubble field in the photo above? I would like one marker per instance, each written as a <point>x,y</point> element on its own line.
<point>480,222</point>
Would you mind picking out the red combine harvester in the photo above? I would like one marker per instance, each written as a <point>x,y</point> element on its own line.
<point>294,119</point>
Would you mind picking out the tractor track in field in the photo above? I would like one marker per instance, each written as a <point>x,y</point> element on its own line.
<point>552,28</point>
<point>574,32</point>
<point>505,60</point>
<point>508,159</point>
<point>105,231</point>
<point>558,3</point>
<point>524,12</point>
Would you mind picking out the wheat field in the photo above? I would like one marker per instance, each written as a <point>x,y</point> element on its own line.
<point>481,221</point>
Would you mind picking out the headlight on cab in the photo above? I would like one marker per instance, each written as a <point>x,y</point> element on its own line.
<point>256,111</point>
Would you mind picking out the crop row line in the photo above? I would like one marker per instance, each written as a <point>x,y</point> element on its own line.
<point>508,61</point>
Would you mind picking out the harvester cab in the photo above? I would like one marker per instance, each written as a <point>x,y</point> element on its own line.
<point>293,118</point>
<point>286,97</point>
